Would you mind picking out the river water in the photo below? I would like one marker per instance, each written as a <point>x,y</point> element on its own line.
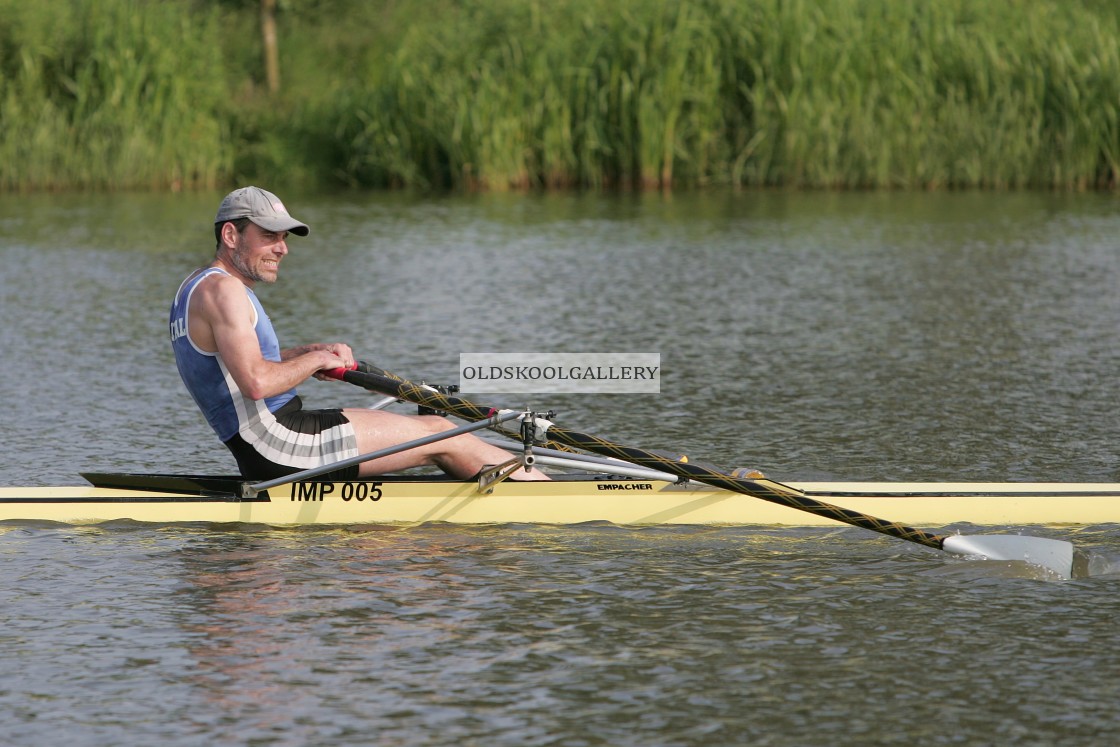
<point>816,336</point>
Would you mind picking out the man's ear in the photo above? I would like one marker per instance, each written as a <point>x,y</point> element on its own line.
<point>229,235</point>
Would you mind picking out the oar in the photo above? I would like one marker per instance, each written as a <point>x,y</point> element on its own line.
<point>1055,555</point>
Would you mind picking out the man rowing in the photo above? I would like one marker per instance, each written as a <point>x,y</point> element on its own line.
<point>230,359</point>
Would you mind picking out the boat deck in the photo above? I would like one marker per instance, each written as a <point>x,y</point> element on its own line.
<point>565,500</point>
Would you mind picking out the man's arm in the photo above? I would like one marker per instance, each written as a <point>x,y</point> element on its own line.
<point>221,319</point>
<point>340,349</point>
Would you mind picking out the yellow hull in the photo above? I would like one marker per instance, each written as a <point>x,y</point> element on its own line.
<point>622,501</point>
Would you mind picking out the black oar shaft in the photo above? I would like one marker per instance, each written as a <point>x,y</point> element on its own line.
<point>380,380</point>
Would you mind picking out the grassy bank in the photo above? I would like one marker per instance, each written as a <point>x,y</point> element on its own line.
<point>510,94</point>
<point>101,95</point>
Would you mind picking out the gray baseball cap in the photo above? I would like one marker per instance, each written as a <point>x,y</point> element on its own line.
<point>261,207</point>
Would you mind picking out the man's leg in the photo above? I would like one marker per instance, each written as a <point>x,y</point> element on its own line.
<point>462,456</point>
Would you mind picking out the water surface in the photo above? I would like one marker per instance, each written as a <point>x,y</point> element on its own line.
<point>929,336</point>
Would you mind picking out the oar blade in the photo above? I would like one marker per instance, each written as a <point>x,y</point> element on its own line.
<point>1051,554</point>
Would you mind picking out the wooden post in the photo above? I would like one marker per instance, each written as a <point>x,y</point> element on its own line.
<point>268,41</point>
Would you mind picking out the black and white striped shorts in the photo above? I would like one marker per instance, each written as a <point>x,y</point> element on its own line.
<point>298,439</point>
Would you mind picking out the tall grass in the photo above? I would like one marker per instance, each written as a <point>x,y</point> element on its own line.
<point>513,94</point>
<point>113,93</point>
<point>818,93</point>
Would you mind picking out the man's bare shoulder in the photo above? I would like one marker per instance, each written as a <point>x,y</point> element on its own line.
<point>219,293</point>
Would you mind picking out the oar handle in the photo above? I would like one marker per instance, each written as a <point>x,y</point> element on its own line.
<point>340,372</point>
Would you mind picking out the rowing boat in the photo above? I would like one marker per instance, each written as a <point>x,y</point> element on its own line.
<point>567,499</point>
<point>626,485</point>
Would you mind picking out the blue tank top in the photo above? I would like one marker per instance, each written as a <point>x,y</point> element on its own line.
<point>227,410</point>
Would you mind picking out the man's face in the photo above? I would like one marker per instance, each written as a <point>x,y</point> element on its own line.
<point>258,252</point>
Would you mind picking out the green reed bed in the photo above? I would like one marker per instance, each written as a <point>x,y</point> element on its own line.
<point>516,94</point>
<point>512,94</point>
<point>110,94</point>
<point>819,93</point>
